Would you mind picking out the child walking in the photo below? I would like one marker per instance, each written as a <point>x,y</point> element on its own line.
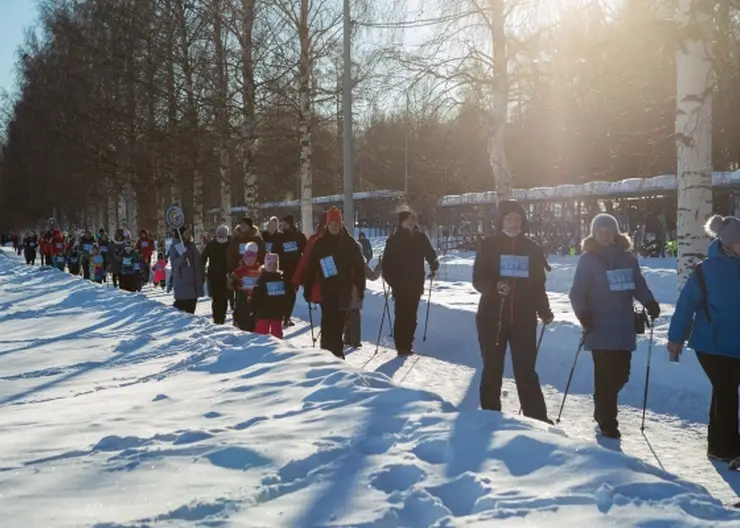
<point>160,271</point>
<point>242,281</point>
<point>268,298</point>
<point>97,264</point>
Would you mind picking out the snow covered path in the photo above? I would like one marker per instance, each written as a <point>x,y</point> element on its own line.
<point>449,364</point>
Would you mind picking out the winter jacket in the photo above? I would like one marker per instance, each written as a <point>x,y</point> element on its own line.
<point>214,258</point>
<point>403,261</point>
<point>517,262</point>
<point>115,248</point>
<point>268,296</point>
<point>293,246</point>
<point>130,263</point>
<point>299,275</point>
<point>29,246</point>
<point>337,264</point>
<point>244,278</point>
<point>160,271</point>
<point>187,271</point>
<point>367,249</point>
<point>56,244</point>
<point>103,245</point>
<point>97,267</point>
<point>237,246</point>
<point>145,247</point>
<point>85,247</point>
<point>718,334</point>
<point>273,243</point>
<point>606,281</point>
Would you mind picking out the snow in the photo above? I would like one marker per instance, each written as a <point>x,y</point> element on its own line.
<point>119,411</point>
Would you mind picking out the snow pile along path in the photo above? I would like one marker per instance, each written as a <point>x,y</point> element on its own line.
<point>118,411</point>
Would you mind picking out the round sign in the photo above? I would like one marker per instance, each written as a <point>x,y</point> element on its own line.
<point>175,217</point>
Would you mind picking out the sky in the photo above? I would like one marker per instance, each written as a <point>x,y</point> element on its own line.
<point>15,17</point>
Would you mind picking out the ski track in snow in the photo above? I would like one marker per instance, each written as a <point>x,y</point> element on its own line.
<point>448,364</point>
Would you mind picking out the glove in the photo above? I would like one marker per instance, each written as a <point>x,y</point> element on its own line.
<point>586,320</point>
<point>547,317</point>
<point>653,310</point>
<point>434,266</point>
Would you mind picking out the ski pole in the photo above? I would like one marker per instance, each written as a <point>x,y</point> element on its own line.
<point>429,304</point>
<point>310,321</point>
<point>542,335</point>
<point>382,319</point>
<point>570,377</point>
<point>647,376</point>
<point>502,288</point>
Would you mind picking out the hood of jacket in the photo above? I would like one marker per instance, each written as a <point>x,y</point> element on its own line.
<point>243,235</point>
<point>510,206</point>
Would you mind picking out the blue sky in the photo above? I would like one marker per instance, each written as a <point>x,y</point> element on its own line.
<point>15,16</point>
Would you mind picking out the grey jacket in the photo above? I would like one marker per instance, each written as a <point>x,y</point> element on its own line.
<point>606,282</point>
<point>187,272</point>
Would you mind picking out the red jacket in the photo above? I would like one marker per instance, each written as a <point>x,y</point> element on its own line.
<point>250,273</point>
<point>57,246</point>
<point>298,275</point>
<point>145,247</point>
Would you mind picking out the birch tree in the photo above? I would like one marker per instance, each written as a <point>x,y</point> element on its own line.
<point>694,91</point>
<point>223,128</point>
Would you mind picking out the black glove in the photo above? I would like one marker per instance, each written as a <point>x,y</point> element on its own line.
<point>587,320</point>
<point>546,317</point>
<point>434,266</point>
<point>653,310</point>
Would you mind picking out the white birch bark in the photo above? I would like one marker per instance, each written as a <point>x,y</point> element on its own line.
<point>249,175</point>
<point>304,111</point>
<point>222,116</point>
<point>694,87</point>
<point>497,132</point>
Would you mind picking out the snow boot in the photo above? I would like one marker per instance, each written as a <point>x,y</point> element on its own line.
<point>611,433</point>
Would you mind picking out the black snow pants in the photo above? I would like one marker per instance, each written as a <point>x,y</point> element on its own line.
<point>219,302</point>
<point>611,374</point>
<point>353,329</point>
<point>332,328</point>
<point>406,306</point>
<point>243,314</point>
<point>724,375</point>
<point>522,339</point>
<point>184,305</point>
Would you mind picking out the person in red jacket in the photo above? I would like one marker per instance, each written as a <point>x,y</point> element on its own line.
<point>58,249</point>
<point>242,281</point>
<point>298,278</point>
<point>145,248</point>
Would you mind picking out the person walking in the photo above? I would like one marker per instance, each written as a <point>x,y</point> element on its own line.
<point>214,259</point>
<point>187,270</point>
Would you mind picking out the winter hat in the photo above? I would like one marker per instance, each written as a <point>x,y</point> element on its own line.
<point>271,258</point>
<point>222,231</point>
<point>248,221</point>
<point>289,219</point>
<point>604,220</point>
<point>333,215</point>
<point>727,229</point>
<point>252,249</point>
<point>506,207</point>
<point>403,216</point>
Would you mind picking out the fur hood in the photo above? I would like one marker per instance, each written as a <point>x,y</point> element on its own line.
<point>251,233</point>
<point>622,241</point>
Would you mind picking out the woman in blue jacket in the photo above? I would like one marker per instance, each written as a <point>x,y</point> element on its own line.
<point>607,280</point>
<point>711,299</point>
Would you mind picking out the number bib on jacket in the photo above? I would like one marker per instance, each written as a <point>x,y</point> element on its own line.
<point>32,244</point>
<point>289,247</point>
<point>242,248</point>
<point>514,266</point>
<point>104,249</point>
<point>620,279</point>
<point>248,282</point>
<point>87,248</point>
<point>268,247</point>
<point>328,267</point>
<point>126,261</point>
<point>275,289</point>
<point>145,244</point>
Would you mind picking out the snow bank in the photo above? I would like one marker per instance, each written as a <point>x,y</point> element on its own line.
<point>119,411</point>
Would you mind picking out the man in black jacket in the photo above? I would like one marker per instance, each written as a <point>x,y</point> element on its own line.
<point>403,269</point>
<point>336,261</point>
<point>214,257</point>
<point>509,272</point>
<point>293,246</point>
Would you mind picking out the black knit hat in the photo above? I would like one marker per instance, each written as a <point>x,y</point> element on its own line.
<point>289,219</point>
<point>403,216</point>
<point>510,206</point>
<point>247,220</point>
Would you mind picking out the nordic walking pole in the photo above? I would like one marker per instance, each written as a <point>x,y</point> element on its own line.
<point>310,321</point>
<point>570,377</point>
<point>382,319</point>
<point>429,304</point>
<point>647,375</point>
<point>542,335</point>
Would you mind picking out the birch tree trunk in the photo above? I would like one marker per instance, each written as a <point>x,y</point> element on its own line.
<point>112,210</point>
<point>248,104</point>
<point>694,89</point>
<point>222,115</point>
<point>175,198</point>
<point>304,116</point>
<point>496,140</point>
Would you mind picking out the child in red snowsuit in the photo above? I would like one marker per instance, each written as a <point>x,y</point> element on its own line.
<point>160,271</point>
<point>268,298</point>
<point>242,281</point>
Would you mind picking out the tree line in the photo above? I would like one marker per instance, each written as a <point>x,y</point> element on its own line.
<point>123,108</point>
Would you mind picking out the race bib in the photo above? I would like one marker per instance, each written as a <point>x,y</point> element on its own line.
<point>248,282</point>
<point>268,246</point>
<point>328,267</point>
<point>104,249</point>
<point>289,247</point>
<point>97,259</point>
<point>137,266</point>
<point>514,266</point>
<point>59,260</point>
<point>73,260</point>
<point>87,248</point>
<point>242,248</point>
<point>620,279</point>
<point>275,288</point>
<point>126,261</point>
<point>145,244</point>
<point>32,244</point>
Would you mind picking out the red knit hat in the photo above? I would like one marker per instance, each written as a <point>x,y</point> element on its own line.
<point>334,215</point>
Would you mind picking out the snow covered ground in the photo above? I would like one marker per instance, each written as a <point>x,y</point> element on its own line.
<point>119,411</point>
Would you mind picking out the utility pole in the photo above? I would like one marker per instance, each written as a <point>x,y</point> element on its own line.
<point>347,146</point>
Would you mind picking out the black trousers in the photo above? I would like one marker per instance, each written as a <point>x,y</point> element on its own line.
<point>290,295</point>
<point>85,265</point>
<point>724,375</point>
<point>353,328</point>
<point>521,337</point>
<point>184,305</point>
<point>243,314</point>
<point>332,328</point>
<point>404,324</point>
<point>219,303</point>
<point>611,373</point>
<point>129,283</point>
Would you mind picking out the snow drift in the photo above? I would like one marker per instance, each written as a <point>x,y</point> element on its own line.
<point>118,411</point>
